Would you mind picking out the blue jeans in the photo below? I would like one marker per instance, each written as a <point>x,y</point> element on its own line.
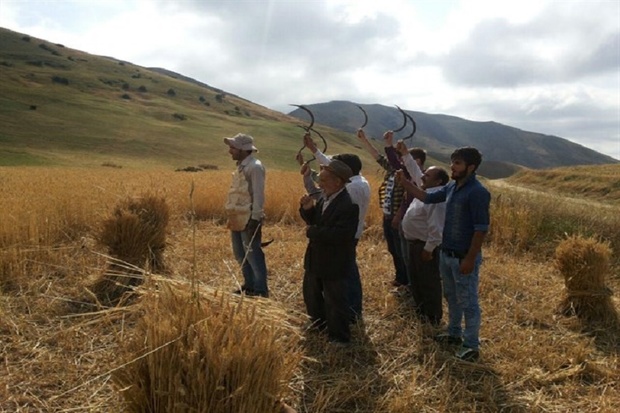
<point>252,260</point>
<point>461,293</point>
<point>393,239</point>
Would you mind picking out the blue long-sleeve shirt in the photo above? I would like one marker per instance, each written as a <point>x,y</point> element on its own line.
<point>467,211</point>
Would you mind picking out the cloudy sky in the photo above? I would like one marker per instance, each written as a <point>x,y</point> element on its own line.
<point>545,66</point>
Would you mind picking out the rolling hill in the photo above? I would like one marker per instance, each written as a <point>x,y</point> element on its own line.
<point>61,106</point>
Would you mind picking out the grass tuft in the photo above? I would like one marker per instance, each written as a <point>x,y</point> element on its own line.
<point>135,237</point>
<point>213,354</point>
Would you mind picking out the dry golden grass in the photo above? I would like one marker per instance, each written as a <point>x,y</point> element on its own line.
<point>526,220</point>
<point>600,183</point>
<point>54,359</point>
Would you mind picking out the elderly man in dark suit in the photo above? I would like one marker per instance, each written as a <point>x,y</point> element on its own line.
<point>332,224</point>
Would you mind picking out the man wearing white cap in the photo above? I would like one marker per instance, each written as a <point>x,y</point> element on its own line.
<point>244,207</point>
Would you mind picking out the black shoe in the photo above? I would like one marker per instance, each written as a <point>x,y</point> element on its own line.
<point>397,284</point>
<point>252,293</point>
<point>467,354</point>
<point>244,289</point>
<point>446,338</point>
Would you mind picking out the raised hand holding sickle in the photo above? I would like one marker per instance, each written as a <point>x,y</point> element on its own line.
<point>401,148</point>
<point>388,137</point>
<point>309,128</point>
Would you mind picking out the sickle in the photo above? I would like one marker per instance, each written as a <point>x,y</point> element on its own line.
<point>414,127</point>
<point>306,128</point>
<point>365,116</point>
<point>404,117</point>
<point>309,112</point>
<point>309,128</point>
<point>322,138</point>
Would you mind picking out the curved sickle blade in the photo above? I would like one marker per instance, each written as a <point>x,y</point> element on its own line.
<point>322,138</point>
<point>414,126</point>
<point>404,117</point>
<point>303,147</point>
<point>309,112</point>
<point>365,116</point>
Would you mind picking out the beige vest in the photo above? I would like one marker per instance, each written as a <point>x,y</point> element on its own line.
<point>239,204</point>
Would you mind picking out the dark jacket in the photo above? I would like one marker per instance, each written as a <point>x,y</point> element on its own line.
<point>331,236</point>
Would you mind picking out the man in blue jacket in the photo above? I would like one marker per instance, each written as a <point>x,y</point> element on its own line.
<point>466,224</point>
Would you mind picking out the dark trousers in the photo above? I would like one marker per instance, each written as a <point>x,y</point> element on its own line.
<point>392,238</point>
<point>327,302</point>
<point>354,288</point>
<point>425,283</point>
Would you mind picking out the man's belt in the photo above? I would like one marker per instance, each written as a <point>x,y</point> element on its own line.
<point>453,253</point>
<point>416,241</point>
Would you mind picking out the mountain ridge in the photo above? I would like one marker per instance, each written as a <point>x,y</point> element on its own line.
<point>439,134</point>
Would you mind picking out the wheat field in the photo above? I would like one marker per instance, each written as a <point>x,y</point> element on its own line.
<point>62,351</point>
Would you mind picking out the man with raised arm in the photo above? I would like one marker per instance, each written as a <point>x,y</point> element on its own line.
<point>331,225</point>
<point>390,198</point>
<point>466,224</point>
<point>359,190</point>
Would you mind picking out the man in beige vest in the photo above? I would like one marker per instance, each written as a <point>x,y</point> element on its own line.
<point>244,208</point>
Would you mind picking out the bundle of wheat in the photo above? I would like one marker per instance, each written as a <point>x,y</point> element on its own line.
<point>202,351</point>
<point>135,236</point>
<point>584,264</point>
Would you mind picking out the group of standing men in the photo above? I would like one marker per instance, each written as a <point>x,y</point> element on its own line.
<point>433,227</point>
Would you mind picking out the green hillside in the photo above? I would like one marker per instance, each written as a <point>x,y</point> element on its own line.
<point>60,106</point>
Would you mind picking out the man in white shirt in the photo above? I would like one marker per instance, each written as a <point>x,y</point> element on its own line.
<point>359,191</point>
<point>423,227</point>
